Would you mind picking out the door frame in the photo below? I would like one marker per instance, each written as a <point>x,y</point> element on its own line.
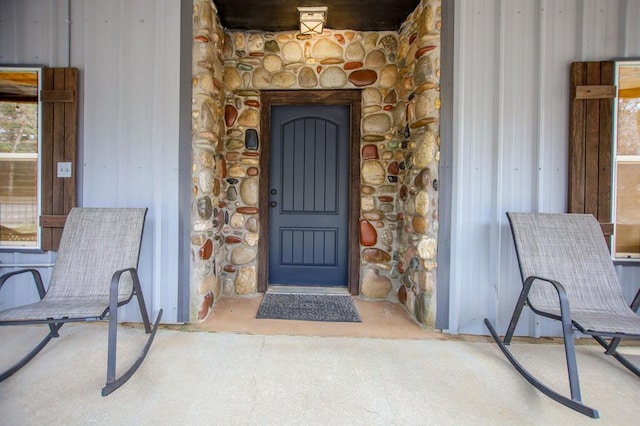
<point>352,98</point>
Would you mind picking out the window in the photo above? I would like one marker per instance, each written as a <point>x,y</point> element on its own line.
<point>38,138</point>
<point>604,150</point>
<point>626,193</point>
<point>19,157</point>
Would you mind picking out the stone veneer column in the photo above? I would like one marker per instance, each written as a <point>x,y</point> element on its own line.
<point>399,75</point>
<point>207,217</point>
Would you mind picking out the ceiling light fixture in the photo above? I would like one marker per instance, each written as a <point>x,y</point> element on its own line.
<point>312,19</point>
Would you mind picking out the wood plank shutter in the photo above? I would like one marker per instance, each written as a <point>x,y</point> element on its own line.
<point>591,133</point>
<point>59,98</point>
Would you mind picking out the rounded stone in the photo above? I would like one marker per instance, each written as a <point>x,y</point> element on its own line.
<point>423,106</point>
<point>237,170</point>
<point>422,308</point>
<point>249,191</point>
<point>232,193</point>
<point>402,294</point>
<point>236,220</point>
<point>386,237</point>
<point>388,189</point>
<point>368,234</point>
<point>373,215</point>
<point>271,46</point>
<point>388,76</point>
<point>307,77</point>
<point>242,255</point>
<point>375,255</point>
<point>292,52</point>
<point>261,78</point>
<point>375,286</point>
<point>251,239</point>
<point>370,152</point>
<point>233,144</point>
<point>252,224</point>
<point>376,124</point>
<point>427,248</point>
<point>247,210</point>
<point>422,203</point>
<point>239,41</point>
<point>253,171</point>
<point>373,172</point>
<point>227,49</point>
<point>205,181</point>
<point>229,268</point>
<point>231,78</point>
<point>354,65</point>
<point>424,152</point>
<point>367,189</point>
<point>206,250</point>
<point>419,224</point>
<point>272,63</point>
<point>367,203</point>
<point>325,49</point>
<point>249,118</point>
<point>361,78</point>
<point>283,79</point>
<point>355,52</point>
<point>389,43</point>
<point>422,179</point>
<point>371,97</point>
<point>375,59</point>
<point>246,282</point>
<point>255,43</point>
<point>333,78</point>
<point>370,41</point>
<point>423,70</point>
<point>230,115</point>
<point>205,208</point>
<point>232,239</point>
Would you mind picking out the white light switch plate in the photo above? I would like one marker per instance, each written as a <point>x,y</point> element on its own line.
<point>64,169</point>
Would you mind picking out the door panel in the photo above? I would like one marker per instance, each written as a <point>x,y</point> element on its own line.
<point>308,214</point>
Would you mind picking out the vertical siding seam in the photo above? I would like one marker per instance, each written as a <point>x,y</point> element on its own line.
<point>457,173</point>
<point>540,99</point>
<point>494,238</point>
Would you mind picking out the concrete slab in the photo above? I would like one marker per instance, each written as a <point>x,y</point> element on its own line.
<point>242,379</point>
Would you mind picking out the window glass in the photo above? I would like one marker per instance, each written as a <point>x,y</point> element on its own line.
<point>19,147</point>
<point>627,162</point>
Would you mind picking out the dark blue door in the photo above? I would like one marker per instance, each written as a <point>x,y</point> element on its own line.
<point>308,199</point>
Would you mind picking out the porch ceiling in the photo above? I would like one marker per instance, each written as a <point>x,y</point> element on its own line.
<point>282,15</point>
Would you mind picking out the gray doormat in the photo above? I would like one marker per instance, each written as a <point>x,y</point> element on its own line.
<point>308,307</point>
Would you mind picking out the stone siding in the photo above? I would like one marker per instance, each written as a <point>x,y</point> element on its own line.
<point>398,73</point>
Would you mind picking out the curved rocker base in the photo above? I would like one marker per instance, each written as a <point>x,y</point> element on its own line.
<point>571,403</point>
<point>35,351</point>
<point>114,384</point>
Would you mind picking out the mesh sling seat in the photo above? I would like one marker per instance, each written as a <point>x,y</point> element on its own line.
<point>568,275</point>
<point>95,272</point>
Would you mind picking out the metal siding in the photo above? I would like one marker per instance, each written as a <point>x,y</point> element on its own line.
<point>510,132</point>
<point>128,53</point>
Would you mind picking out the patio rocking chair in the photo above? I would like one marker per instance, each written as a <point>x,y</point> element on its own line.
<point>568,275</point>
<point>94,273</point>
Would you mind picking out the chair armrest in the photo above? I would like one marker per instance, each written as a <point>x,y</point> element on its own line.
<point>37,278</point>
<point>115,283</point>
<point>562,293</point>
<point>636,302</point>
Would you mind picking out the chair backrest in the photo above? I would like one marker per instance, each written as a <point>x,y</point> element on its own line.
<point>571,249</point>
<point>95,243</point>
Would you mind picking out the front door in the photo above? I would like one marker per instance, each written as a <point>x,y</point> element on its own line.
<point>309,195</point>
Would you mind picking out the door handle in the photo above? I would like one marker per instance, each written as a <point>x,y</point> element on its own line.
<point>273,204</point>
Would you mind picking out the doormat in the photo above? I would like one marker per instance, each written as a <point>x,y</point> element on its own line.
<point>308,307</point>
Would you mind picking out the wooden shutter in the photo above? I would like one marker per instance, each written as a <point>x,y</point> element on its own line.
<point>59,98</point>
<point>591,134</point>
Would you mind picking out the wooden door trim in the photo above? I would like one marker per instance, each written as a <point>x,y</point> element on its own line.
<point>311,97</point>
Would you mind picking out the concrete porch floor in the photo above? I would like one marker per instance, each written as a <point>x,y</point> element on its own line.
<point>272,372</point>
